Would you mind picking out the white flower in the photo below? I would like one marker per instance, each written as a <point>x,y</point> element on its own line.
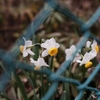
<point>25,50</point>
<point>51,47</point>
<point>86,59</point>
<point>88,43</point>
<point>39,63</point>
<point>89,55</point>
<point>69,53</point>
<point>93,46</point>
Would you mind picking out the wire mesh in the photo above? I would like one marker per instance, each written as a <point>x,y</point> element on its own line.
<point>8,58</point>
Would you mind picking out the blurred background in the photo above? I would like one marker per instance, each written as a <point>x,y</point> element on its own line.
<point>15,16</point>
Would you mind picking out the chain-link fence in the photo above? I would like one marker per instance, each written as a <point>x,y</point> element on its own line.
<point>8,58</point>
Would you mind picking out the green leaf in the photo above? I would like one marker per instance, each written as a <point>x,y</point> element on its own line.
<point>74,90</point>
<point>63,97</point>
<point>35,96</point>
<point>4,97</point>
<point>51,62</point>
<point>19,94</point>
<point>67,89</point>
<point>35,48</point>
<point>31,79</point>
<point>21,86</point>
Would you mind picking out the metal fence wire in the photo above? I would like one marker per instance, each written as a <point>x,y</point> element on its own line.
<point>8,58</point>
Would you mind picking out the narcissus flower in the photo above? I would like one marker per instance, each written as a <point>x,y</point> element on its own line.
<point>26,49</point>
<point>39,63</point>
<point>69,53</point>
<point>51,47</point>
<point>88,43</point>
<point>93,46</point>
<point>86,59</point>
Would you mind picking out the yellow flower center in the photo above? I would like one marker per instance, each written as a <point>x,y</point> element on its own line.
<point>97,48</point>
<point>21,48</point>
<point>37,68</point>
<point>88,64</point>
<point>53,51</point>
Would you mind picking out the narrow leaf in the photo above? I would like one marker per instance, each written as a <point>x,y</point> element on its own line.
<point>21,86</point>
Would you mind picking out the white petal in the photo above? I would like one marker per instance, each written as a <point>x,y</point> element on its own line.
<point>77,57</point>
<point>94,44</point>
<point>68,57</point>
<point>45,45</point>
<point>57,45</point>
<point>70,50</point>
<point>88,43</point>
<point>86,58</point>
<point>53,40</point>
<point>32,61</point>
<point>50,43</point>
<point>92,54</point>
<point>41,62</point>
<point>44,53</point>
<point>73,48</point>
<point>25,53</point>
<point>79,61</point>
<point>30,52</point>
<point>27,43</point>
<point>53,43</point>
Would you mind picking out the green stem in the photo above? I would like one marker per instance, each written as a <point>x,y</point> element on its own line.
<point>42,88</point>
<point>66,86</point>
<point>51,62</point>
<point>36,44</point>
<point>32,82</point>
<point>35,97</point>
